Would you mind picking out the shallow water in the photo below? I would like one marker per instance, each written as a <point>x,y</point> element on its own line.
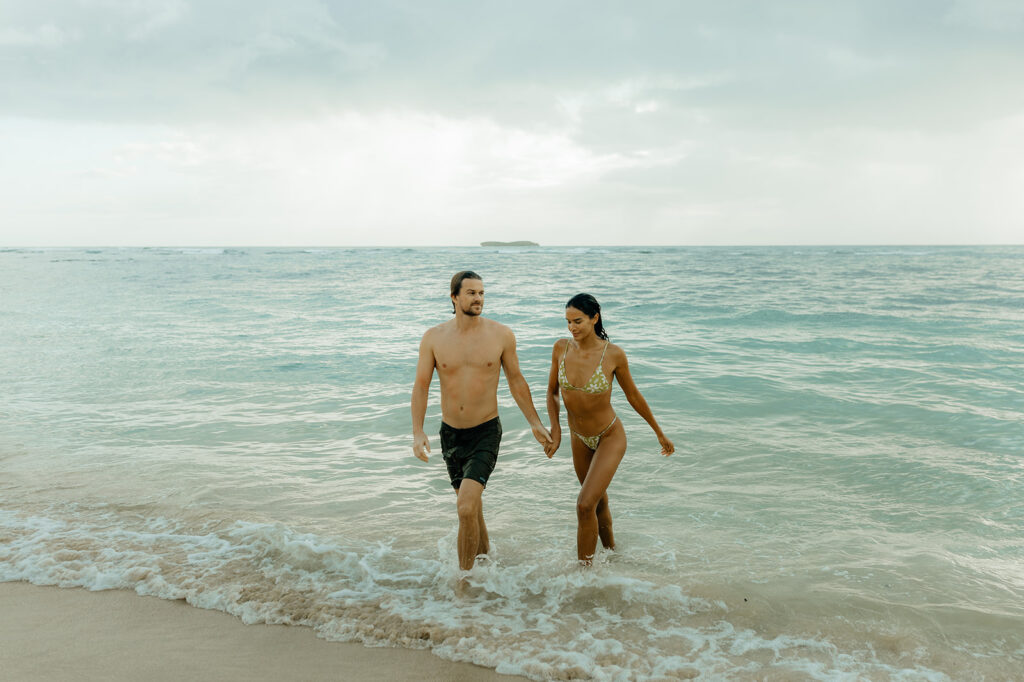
<point>232,427</point>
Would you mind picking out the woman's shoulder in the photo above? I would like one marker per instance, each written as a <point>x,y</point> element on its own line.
<point>615,352</point>
<point>560,343</point>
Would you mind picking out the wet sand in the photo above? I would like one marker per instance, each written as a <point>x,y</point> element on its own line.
<point>49,633</point>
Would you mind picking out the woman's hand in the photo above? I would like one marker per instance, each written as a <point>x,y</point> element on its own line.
<point>667,447</point>
<point>556,439</point>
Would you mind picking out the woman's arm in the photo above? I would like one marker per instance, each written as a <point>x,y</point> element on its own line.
<point>636,399</point>
<point>554,403</point>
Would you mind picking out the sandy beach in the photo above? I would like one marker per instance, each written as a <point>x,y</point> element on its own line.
<point>53,634</point>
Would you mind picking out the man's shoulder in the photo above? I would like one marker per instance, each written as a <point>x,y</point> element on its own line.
<point>493,327</point>
<point>498,334</point>
<point>438,329</point>
<point>496,326</point>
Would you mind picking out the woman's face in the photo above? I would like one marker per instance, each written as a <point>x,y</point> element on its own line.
<point>579,324</point>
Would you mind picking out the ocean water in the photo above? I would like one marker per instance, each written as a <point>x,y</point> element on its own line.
<point>231,427</point>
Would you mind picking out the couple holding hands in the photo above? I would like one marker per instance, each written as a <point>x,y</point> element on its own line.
<point>467,353</point>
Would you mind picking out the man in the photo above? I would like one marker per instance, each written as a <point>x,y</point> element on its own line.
<point>467,352</point>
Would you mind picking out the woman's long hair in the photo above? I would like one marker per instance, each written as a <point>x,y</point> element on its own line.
<point>589,306</point>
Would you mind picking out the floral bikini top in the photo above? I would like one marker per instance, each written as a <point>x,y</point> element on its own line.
<point>598,382</point>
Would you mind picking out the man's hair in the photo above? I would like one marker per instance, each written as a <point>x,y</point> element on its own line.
<point>589,306</point>
<point>457,282</point>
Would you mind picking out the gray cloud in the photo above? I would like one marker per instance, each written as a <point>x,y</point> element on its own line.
<point>770,63</point>
<point>743,119</point>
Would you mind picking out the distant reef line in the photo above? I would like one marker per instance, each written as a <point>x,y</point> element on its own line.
<point>520,243</point>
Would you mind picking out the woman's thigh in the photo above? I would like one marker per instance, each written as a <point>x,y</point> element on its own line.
<point>581,458</point>
<point>601,463</point>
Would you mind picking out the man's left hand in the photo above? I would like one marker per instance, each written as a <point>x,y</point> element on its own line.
<point>542,436</point>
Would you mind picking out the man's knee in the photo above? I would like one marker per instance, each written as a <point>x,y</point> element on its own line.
<point>469,510</point>
<point>469,504</point>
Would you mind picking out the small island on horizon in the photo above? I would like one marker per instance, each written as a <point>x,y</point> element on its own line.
<point>519,243</point>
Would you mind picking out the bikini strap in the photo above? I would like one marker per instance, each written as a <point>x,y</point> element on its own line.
<point>566,351</point>
<point>605,350</point>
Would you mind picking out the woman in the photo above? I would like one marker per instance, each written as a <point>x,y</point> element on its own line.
<point>580,371</point>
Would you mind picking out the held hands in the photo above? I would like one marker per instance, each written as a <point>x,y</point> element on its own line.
<point>542,436</point>
<point>667,447</point>
<point>556,439</point>
<point>420,445</point>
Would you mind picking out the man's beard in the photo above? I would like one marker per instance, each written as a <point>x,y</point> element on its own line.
<point>468,310</point>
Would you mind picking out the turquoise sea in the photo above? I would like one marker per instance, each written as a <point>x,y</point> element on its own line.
<point>231,427</point>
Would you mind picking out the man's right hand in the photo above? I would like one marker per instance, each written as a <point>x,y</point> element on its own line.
<point>420,445</point>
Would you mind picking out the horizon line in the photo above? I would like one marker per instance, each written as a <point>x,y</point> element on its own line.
<point>11,247</point>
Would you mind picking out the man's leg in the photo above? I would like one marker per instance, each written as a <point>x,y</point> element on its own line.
<point>483,546</point>
<point>472,532</point>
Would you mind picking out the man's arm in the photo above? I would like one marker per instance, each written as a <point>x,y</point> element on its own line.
<point>520,390</point>
<point>420,386</point>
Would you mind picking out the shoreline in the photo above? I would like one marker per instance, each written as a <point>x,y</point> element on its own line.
<point>52,633</point>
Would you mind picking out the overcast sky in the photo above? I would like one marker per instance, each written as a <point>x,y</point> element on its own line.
<point>305,122</point>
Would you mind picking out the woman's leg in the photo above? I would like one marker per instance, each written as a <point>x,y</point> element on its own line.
<point>604,523</point>
<point>595,469</point>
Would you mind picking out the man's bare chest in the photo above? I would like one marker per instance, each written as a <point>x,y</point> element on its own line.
<point>459,359</point>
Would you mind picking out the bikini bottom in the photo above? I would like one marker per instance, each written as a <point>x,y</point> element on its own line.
<point>593,441</point>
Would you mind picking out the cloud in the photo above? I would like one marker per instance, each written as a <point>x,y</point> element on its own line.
<point>657,122</point>
<point>45,36</point>
<point>172,61</point>
<point>346,177</point>
<point>992,15</point>
<point>139,19</point>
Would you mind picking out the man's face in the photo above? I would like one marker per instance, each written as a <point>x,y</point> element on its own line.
<point>470,299</point>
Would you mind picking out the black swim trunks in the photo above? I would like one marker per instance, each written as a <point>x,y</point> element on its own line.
<point>471,453</point>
